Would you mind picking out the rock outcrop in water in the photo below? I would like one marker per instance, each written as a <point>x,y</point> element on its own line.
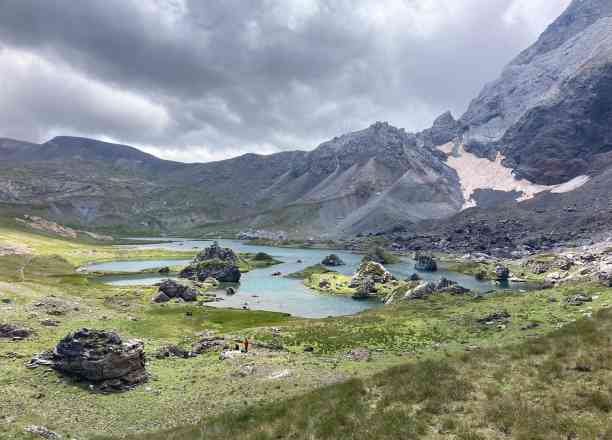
<point>373,271</point>
<point>99,357</point>
<point>214,262</point>
<point>333,261</point>
<point>502,273</point>
<point>425,263</point>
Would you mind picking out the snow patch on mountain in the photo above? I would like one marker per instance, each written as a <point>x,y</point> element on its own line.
<point>480,173</point>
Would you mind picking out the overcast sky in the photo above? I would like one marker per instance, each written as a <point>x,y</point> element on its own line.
<point>199,80</point>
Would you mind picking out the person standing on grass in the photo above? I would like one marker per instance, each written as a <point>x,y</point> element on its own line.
<point>246,344</point>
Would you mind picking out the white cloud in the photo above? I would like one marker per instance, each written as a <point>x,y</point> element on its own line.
<point>534,14</point>
<point>201,80</point>
<point>26,78</point>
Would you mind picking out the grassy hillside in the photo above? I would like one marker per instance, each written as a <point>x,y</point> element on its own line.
<point>551,387</point>
<point>426,369</point>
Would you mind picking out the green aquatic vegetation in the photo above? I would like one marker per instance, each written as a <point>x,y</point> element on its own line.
<point>309,271</point>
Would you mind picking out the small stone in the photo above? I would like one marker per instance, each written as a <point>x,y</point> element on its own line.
<point>43,432</point>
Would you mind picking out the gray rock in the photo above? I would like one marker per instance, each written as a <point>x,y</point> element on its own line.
<point>578,299</point>
<point>359,354</point>
<point>365,288</point>
<point>42,432</point>
<point>160,297</point>
<point>425,263</point>
<point>172,351</point>
<point>495,318</point>
<point>100,358</point>
<point>502,273</point>
<point>428,288</point>
<point>332,260</point>
<point>10,331</point>
<point>216,252</point>
<point>371,270</point>
<point>214,262</point>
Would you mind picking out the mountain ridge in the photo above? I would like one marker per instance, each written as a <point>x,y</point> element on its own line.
<point>541,128</point>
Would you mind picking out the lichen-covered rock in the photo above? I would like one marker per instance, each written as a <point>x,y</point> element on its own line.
<point>578,299</point>
<point>214,262</point>
<point>365,288</point>
<point>160,297</point>
<point>42,432</point>
<point>170,289</point>
<point>10,331</point>
<point>216,252</point>
<point>421,291</point>
<point>442,286</point>
<point>99,357</point>
<point>372,270</point>
<point>425,263</point>
<point>213,282</point>
<point>502,273</point>
<point>495,318</point>
<point>172,351</point>
<point>332,260</point>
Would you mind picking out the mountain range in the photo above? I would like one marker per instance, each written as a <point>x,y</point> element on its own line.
<point>540,132</point>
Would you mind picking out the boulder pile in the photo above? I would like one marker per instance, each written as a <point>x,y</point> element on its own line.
<point>214,262</point>
<point>170,289</point>
<point>99,357</point>
<point>372,270</point>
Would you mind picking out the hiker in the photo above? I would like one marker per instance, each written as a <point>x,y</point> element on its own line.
<point>246,345</point>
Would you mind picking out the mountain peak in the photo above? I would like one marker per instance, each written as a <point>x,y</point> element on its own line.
<point>578,16</point>
<point>92,149</point>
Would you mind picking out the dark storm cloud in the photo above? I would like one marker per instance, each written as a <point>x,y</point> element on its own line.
<point>196,80</point>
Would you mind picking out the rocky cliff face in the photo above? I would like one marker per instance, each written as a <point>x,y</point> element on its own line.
<point>548,112</point>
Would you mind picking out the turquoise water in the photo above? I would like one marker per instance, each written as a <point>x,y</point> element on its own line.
<point>259,290</point>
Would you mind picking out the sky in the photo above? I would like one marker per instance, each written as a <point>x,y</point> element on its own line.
<point>196,81</point>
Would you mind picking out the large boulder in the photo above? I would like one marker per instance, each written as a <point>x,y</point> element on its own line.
<point>214,262</point>
<point>216,252</point>
<point>11,331</point>
<point>333,261</point>
<point>99,357</point>
<point>425,263</point>
<point>365,288</point>
<point>502,273</point>
<point>429,288</point>
<point>222,271</point>
<point>169,289</point>
<point>372,270</point>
